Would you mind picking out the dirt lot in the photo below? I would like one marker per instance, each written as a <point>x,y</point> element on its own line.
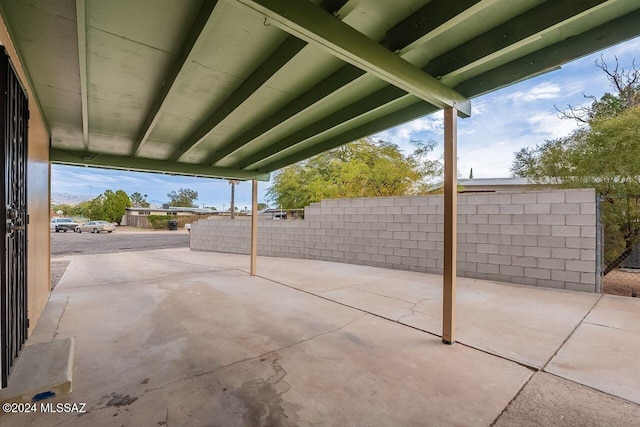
<point>123,239</point>
<point>625,282</point>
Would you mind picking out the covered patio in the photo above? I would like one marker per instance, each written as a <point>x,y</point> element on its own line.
<point>236,90</point>
<point>176,337</point>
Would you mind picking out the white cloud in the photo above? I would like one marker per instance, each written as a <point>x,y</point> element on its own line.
<point>550,126</point>
<point>479,107</point>
<point>409,131</point>
<point>544,90</point>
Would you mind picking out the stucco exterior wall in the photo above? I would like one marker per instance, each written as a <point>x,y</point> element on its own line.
<point>545,238</point>
<point>38,172</point>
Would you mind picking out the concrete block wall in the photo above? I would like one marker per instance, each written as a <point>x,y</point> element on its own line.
<point>540,238</point>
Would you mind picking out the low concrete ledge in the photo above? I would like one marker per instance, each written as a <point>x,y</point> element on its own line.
<point>42,370</point>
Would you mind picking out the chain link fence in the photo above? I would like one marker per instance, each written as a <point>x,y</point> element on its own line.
<point>618,252</point>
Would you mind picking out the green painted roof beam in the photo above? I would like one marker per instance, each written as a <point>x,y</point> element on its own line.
<point>545,60</point>
<point>326,87</point>
<point>337,81</point>
<point>311,23</point>
<point>410,31</point>
<point>401,116</point>
<point>369,103</point>
<point>551,57</point>
<point>110,161</point>
<point>505,36</point>
<point>81,19</point>
<point>187,51</point>
<point>283,54</point>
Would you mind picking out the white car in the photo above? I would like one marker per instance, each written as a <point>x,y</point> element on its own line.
<point>95,227</point>
<point>62,224</point>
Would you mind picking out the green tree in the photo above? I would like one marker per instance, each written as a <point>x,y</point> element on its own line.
<point>139,200</point>
<point>184,197</point>
<point>92,209</point>
<point>114,205</point>
<point>65,208</point>
<point>604,155</point>
<point>364,168</point>
<point>262,206</point>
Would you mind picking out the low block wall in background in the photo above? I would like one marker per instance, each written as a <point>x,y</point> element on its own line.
<point>545,238</point>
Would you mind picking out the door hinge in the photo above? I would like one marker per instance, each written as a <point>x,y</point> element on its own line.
<point>28,322</point>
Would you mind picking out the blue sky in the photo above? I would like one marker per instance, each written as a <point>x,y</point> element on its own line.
<point>502,123</point>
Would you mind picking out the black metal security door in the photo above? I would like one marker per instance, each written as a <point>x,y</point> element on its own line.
<point>14,116</point>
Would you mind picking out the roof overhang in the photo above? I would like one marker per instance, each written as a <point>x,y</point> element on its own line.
<point>240,88</point>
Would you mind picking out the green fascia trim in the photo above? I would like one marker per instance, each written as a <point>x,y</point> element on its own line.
<point>422,22</point>
<point>311,23</point>
<point>616,31</point>
<point>110,161</point>
<point>508,34</point>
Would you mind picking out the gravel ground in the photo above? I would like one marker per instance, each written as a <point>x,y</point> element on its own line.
<point>58,267</point>
<point>548,400</point>
<point>622,282</point>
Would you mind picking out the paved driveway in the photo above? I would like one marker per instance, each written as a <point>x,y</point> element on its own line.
<point>119,241</point>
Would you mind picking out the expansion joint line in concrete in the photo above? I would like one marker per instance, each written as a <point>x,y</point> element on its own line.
<point>543,369</point>
<point>517,362</point>
<point>572,332</point>
<point>349,306</point>
<point>515,396</point>
<point>381,295</point>
<point>188,263</point>
<point>611,327</point>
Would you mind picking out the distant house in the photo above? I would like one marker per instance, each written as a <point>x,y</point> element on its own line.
<point>138,217</point>
<point>491,185</point>
<point>277,214</point>
<point>172,210</point>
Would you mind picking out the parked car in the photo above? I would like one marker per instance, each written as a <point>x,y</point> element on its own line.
<point>95,227</point>
<point>62,224</point>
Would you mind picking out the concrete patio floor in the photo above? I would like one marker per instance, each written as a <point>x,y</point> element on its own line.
<point>174,337</point>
